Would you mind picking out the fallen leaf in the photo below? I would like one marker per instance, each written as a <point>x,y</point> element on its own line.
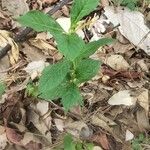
<point>35,68</point>
<point>3,138</point>
<point>78,129</point>
<point>122,98</point>
<point>32,53</point>
<point>117,62</point>
<point>132,26</point>
<point>42,44</point>
<point>4,40</point>
<point>129,135</point>
<point>14,136</point>
<point>97,148</point>
<point>142,120</point>
<point>101,139</point>
<point>95,120</point>
<point>59,124</point>
<point>143,99</point>
<point>43,124</point>
<point>15,7</point>
<point>143,65</point>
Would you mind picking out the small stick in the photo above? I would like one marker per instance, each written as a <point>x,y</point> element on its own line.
<point>22,35</point>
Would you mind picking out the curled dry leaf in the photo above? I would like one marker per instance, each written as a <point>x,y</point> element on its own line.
<point>41,43</point>
<point>117,62</point>
<point>132,26</point>
<point>122,98</point>
<point>6,39</point>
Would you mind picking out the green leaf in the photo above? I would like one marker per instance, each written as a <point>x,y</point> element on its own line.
<point>53,75</point>
<point>79,146</point>
<point>82,8</point>
<point>92,47</point>
<point>71,97</point>
<point>69,143</point>
<point>87,69</point>
<point>70,45</point>
<point>2,88</point>
<point>32,90</point>
<point>52,94</point>
<point>89,146</point>
<point>40,22</point>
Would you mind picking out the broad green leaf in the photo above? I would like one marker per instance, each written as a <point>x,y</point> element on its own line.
<point>82,8</point>
<point>70,45</point>
<point>92,47</point>
<point>53,75</point>
<point>71,97</point>
<point>2,88</point>
<point>87,69</point>
<point>40,22</point>
<point>69,143</point>
<point>52,94</point>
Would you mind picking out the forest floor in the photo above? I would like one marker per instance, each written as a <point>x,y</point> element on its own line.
<point>115,114</point>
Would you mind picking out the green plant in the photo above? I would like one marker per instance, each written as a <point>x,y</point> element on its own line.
<point>62,79</point>
<point>2,88</point>
<point>139,141</point>
<point>70,144</point>
<point>32,90</point>
<point>131,4</point>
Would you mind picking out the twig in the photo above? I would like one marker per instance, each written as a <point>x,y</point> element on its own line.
<point>22,35</point>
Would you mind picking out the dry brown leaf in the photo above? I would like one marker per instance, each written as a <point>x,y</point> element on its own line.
<point>14,136</point>
<point>32,53</point>
<point>105,3</point>
<point>97,148</point>
<point>142,120</point>
<point>43,124</point>
<point>122,98</point>
<point>4,65</point>
<point>15,7</point>
<point>117,62</point>
<point>101,139</point>
<point>78,129</point>
<point>43,45</point>
<point>121,48</point>
<point>6,39</point>
<point>132,26</point>
<point>95,120</point>
<point>129,135</point>
<point>59,124</point>
<point>143,100</point>
<point>143,65</point>
<point>3,138</point>
<point>35,68</point>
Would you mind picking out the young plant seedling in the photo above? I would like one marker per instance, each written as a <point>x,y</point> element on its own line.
<point>62,79</point>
